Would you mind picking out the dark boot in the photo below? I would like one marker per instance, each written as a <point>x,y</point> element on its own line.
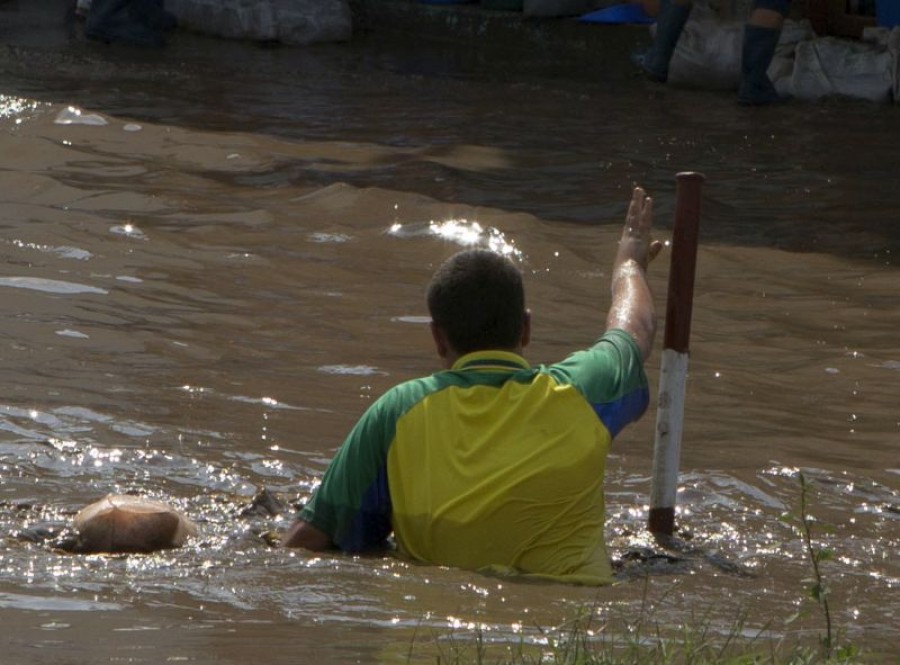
<point>759,47</point>
<point>141,22</point>
<point>669,25</point>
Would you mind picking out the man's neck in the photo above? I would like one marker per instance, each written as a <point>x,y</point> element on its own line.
<point>451,358</point>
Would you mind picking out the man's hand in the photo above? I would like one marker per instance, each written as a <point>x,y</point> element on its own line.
<point>636,243</point>
<point>305,535</point>
<point>632,302</point>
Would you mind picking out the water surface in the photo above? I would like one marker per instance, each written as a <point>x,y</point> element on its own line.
<point>205,286</point>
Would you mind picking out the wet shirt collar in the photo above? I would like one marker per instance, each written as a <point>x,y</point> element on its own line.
<point>491,361</point>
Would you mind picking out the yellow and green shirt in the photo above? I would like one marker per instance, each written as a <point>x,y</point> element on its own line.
<point>492,464</point>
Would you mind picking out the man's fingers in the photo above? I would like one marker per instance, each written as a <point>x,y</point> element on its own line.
<point>638,224</point>
<point>637,209</point>
<point>635,212</point>
<point>646,219</point>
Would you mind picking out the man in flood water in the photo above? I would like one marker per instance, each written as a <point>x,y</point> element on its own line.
<point>492,464</point>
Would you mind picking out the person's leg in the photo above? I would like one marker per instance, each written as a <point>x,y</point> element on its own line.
<point>761,35</point>
<point>670,22</point>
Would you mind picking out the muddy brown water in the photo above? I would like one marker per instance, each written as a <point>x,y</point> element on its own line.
<point>200,296</point>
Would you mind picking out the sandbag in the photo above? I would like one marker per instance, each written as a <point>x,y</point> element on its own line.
<point>782,67</point>
<point>804,66</point>
<point>708,54</point>
<point>289,21</point>
<point>830,66</point>
<point>889,40</point>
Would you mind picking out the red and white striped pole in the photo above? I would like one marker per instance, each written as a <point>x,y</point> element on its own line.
<point>674,364</point>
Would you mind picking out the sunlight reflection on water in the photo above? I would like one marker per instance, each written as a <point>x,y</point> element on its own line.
<point>463,232</point>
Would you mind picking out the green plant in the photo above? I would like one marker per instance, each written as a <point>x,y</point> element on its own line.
<point>818,588</point>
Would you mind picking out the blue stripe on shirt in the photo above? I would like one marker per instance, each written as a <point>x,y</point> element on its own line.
<point>617,414</point>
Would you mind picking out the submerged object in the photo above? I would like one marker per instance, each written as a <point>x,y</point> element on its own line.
<point>265,503</point>
<point>120,523</point>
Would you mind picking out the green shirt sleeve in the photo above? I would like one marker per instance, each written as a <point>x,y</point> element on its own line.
<point>352,504</point>
<point>611,377</point>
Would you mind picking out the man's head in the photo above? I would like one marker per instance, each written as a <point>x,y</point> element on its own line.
<point>477,302</point>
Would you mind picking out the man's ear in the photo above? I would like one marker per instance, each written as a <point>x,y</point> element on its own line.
<point>526,328</point>
<point>440,340</point>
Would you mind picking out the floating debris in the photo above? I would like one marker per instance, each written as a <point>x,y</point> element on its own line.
<point>121,523</point>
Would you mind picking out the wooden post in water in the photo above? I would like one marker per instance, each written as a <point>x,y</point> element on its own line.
<point>674,363</point>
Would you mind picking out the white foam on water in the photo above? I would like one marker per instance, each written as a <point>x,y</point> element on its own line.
<point>352,370</point>
<point>50,285</point>
<point>63,251</point>
<point>320,237</point>
<point>72,333</point>
<point>20,601</point>
<point>72,115</point>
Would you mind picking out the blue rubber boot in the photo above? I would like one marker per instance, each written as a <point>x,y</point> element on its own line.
<point>759,46</point>
<point>669,25</point>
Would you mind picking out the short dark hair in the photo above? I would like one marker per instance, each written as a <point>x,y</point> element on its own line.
<point>477,298</point>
